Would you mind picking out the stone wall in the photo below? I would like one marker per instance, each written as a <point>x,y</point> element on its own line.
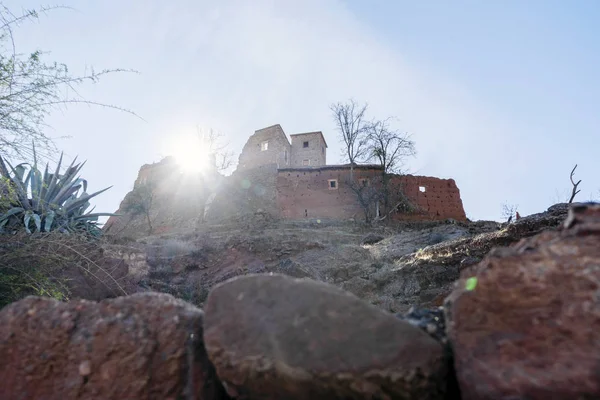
<point>315,153</point>
<point>277,151</point>
<point>308,193</point>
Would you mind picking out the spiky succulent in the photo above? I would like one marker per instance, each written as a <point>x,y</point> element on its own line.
<point>44,202</point>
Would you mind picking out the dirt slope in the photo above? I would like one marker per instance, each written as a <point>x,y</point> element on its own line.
<point>415,263</point>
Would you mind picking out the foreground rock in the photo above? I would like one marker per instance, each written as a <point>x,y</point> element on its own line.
<point>274,337</point>
<point>145,346</point>
<point>529,327</point>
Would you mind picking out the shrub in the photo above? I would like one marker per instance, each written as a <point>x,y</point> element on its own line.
<point>57,265</point>
<point>42,202</point>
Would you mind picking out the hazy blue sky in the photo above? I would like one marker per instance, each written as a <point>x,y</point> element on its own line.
<point>502,96</point>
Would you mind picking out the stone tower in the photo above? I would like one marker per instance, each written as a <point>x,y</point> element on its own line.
<point>268,146</point>
<point>308,150</point>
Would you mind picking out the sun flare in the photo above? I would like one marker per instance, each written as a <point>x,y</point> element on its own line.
<point>191,154</point>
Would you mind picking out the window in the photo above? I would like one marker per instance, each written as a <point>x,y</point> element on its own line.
<point>422,189</point>
<point>364,181</point>
<point>322,149</point>
<point>305,162</point>
<point>332,183</point>
<point>285,156</point>
<point>264,146</point>
<point>305,144</point>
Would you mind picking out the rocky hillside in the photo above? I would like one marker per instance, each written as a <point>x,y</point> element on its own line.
<point>391,267</point>
<point>523,323</point>
<point>162,199</point>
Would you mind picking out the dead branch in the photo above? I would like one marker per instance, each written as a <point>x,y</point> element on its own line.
<point>575,185</point>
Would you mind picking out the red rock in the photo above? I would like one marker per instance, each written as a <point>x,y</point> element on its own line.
<point>145,346</point>
<point>530,329</point>
<point>275,337</point>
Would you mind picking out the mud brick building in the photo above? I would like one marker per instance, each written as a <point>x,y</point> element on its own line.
<point>301,184</point>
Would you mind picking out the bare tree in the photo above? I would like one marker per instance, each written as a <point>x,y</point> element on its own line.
<point>353,127</point>
<point>140,201</point>
<point>509,211</point>
<point>212,141</point>
<point>389,147</point>
<point>575,185</point>
<point>369,194</point>
<point>31,88</point>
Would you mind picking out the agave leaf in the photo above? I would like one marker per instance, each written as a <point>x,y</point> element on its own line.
<point>19,172</point>
<point>3,169</point>
<point>89,218</point>
<point>53,180</point>
<point>65,181</point>
<point>44,187</point>
<point>36,187</point>
<point>71,193</point>
<point>67,189</point>
<point>48,221</point>
<point>83,199</point>
<point>98,215</point>
<point>26,220</point>
<point>12,211</point>
<point>20,190</point>
<point>38,222</point>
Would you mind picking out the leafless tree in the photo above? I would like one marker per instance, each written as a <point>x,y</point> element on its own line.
<point>213,142</point>
<point>140,201</point>
<point>389,147</point>
<point>509,211</point>
<point>369,194</point>
<point>353,127</point>
<point>31,88</point>
<point>575,185</point>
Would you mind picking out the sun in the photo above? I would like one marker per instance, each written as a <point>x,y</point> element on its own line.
<point>190,153</point>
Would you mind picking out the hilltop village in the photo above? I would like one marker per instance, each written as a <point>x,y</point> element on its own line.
<point>289,179</point>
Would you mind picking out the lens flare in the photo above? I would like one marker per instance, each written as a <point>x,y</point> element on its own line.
<point>191,154</point>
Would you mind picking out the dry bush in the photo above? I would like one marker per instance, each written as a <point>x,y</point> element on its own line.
<point>58,265</point>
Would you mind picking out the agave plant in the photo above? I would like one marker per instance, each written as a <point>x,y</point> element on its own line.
<point>44,202</point>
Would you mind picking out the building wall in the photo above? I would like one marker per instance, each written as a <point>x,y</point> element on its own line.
<point>278,151</point>
<point>316,152</point>
<point>436,198</point>
<point>305,193</point>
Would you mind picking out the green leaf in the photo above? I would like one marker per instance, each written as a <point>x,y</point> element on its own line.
<point>48,221</point>
<point>83,199</point>
<point>26,220</point>
<point>20,190</point>
<point>12,211</point>
<point>38,222</point>
<point>471,283</point>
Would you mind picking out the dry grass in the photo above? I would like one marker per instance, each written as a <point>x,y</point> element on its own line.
<point>57,265</point>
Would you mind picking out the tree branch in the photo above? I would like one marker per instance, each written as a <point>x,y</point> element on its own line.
<point>575,185</point>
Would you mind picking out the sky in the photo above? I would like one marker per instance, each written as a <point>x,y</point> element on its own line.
<point>501,96</point>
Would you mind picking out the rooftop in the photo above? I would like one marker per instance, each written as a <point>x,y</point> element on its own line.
<point>312,133</point>
<point>269,127</point>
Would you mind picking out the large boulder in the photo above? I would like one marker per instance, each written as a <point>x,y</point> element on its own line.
<point>275,337</point>
<point>525,322</point>
<point>145,346</point>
